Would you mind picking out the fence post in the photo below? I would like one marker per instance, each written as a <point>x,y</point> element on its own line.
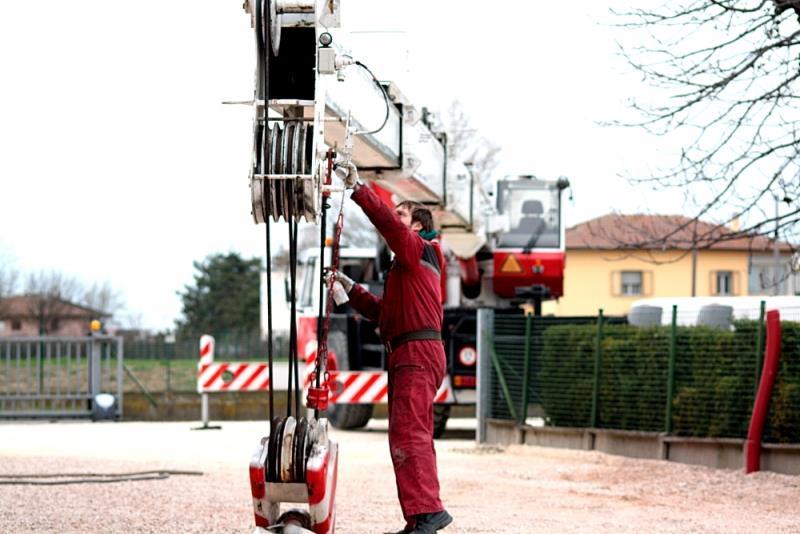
<point>673,350</point>
<point>759,345</point>
<point>169,373</point>
<point>598,354</point>
<point>485,325</point>
<point>206,358</point>
<point>94,372</point>
<point>526,367</point>
<point>120,381</point>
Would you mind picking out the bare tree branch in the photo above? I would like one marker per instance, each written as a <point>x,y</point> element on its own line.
<point>9,278</point>
<point>727,73</point>
<point>465,143</point>
<point>54,292</point>
<point>102,297</point>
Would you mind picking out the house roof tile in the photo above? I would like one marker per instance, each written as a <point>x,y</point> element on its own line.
<point>662,232</point>
<point>27,306</point>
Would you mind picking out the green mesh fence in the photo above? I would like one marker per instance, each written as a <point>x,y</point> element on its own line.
<point>685,380</point>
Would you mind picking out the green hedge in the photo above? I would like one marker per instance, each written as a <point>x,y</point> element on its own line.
<point>715,379</point>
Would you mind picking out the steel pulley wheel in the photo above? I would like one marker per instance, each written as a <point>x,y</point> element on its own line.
<point>293,149</point>
<point>276,167</point>
<point>287,450</point>
<point>256,184</point>
<point>276,430</point>
<point>272,26</point>
<point>287,159</point>
<point>300,450</point>
<point>309,189</point>
<point>283,149</point>
<point>300,202</point>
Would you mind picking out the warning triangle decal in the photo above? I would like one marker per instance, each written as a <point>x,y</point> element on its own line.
<point>510,265</point>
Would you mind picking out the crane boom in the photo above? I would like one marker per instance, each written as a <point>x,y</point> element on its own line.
<point>320,97</point>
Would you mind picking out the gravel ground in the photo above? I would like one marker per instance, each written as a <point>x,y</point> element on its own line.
<point>487,489</point>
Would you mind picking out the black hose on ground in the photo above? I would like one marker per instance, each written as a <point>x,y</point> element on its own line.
<point>90,478</point>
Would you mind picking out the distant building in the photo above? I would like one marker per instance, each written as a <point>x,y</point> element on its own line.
<point>33,315</point>
<point>616,259</point>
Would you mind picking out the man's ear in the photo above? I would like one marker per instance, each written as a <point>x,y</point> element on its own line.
<point>416,226</point>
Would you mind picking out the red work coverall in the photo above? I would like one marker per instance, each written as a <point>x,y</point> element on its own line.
<point>411,301</point>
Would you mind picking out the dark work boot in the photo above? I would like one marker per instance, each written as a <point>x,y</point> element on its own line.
<point>406,529</point>
<point>433,522</point>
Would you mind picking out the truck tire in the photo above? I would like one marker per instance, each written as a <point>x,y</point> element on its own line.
<point>349,416</point>
<point>345,416</point>
<point>441,413</point>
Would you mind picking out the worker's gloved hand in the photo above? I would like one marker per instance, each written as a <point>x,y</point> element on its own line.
<point>348,172</point>
<point>346,281</point>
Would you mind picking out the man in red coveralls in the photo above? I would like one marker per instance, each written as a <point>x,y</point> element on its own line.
<point>410,322</point>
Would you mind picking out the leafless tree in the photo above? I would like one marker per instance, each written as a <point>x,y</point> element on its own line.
<point>466,144</point>
<point>9,278</point>
<point>102,297</point>
<point>54,292</point>
<point>726,74</point>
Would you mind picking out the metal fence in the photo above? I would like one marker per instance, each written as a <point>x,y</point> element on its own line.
<point>58,376</point>
<point>601,372</point>
<point>241,346</point>
<point>156,365</point>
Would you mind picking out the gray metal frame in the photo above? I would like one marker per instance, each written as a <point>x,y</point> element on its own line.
<point>59,376</point>
<point>485,326</point>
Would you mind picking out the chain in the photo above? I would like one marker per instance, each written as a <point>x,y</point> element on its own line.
<point>322,351</point>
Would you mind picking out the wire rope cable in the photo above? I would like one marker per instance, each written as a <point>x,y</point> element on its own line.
<point>292,225</point>
<point>262,90</point>
<point>385,100</point>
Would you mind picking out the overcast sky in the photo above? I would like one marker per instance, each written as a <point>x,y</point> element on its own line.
<point>118,162</point>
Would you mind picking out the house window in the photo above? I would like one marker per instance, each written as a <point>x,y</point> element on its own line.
<point>763,278</point>
<point>54,325</point>
<point>724,283</point>
<point>2,326</point>
<point>631,283</point>
<point>16,324</point>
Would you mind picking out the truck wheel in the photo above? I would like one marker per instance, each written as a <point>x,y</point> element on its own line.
<point>349,416</point>
<point>346,416</point>
<point>441,413</point>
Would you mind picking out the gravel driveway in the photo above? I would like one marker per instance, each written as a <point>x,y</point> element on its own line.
<point>487,489</point>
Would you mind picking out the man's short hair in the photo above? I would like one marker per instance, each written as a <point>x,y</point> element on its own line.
<point>419,213</point>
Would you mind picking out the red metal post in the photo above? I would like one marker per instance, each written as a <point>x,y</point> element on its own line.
<point>772,353</point>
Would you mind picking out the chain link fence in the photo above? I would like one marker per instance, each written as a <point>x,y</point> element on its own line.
<point>602,372</point>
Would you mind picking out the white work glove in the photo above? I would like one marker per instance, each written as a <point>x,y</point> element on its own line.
<point>346,281</point>
<point>348,172</point>
<point>341,288</point>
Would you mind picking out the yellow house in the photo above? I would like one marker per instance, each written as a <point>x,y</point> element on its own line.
<point>615,260</point>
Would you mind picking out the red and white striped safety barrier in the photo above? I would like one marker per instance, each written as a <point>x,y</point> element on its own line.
<point>371,387</point>
<point>232,376</point>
